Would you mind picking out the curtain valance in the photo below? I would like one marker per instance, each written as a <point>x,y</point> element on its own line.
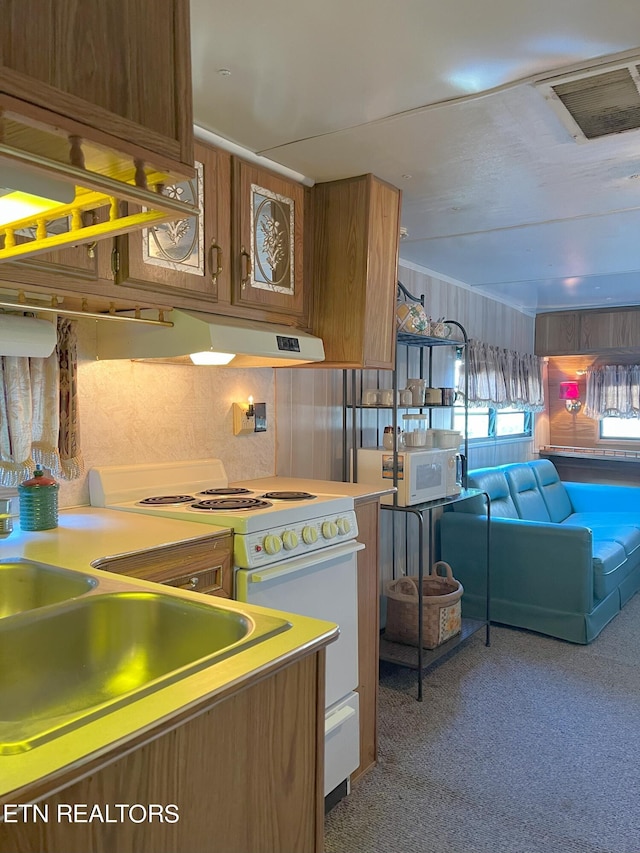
<point>502,378</point>
<point>613,390</point>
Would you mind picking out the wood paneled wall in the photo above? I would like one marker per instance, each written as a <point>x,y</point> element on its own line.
<point>566,429</point>
<point>309,417</point>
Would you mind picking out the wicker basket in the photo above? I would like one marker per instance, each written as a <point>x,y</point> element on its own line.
<point>441,609</point>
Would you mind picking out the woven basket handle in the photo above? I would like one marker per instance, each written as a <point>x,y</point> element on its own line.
<point>441,563</point>
<point>404,588</point>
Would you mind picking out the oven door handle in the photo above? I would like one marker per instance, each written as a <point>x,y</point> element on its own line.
<point>299,564</point>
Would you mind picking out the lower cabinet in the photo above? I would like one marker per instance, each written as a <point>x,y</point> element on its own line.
<point>202,565</point>
<point>244,776</point>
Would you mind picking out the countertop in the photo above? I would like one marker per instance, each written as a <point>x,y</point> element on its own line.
<point>598,454</point>
<point>321,487</point>
<point>86,534</point>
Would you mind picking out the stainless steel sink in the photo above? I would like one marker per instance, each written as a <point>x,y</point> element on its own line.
<point>63,666</point>
<point>26,585</point>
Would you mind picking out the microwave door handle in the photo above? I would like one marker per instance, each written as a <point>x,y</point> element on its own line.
<point>299,564</point>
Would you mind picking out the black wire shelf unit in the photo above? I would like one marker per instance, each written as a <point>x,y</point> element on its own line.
<point>415,657</point>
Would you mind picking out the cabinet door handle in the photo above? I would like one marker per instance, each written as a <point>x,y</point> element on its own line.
<point>247,257</point>
<point>218,265</point>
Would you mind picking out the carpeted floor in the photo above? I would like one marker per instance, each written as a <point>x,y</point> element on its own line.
<point>529,746</point>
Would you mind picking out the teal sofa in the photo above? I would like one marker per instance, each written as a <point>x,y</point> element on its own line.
<point>565,557</point>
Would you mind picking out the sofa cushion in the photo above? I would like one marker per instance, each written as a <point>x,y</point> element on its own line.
<point>494,483</point>
<point>525,493</point>
<point>552,489</point>
<point>609,566</point>
<point>619,527</point>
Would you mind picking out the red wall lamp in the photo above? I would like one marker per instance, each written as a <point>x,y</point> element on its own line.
<point>570,393</point>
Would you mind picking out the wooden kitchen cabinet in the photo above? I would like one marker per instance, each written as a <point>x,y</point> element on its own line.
<point>77,263</point>
<point>588,331</point>
<point>188,261</point>
<point>121,69</point>
<point>250,217</point>
<point>557,333</point>
<point>353,271</point>
<point>606,330</point>
<point>245,775</point>
<point>202,565</point>
<point>267,234</point>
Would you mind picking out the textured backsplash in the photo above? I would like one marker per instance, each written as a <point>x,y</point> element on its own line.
<point>141,412</point>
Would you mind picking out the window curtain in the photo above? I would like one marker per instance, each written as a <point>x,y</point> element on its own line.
<point>39,412</point>
<point>502,378</point>
<point>613,390</point>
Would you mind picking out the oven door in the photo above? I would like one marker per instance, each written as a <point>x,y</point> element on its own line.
<point>322,585</point>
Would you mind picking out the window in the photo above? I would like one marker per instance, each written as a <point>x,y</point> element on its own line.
<point>488,422</point>
<point>494,423</point>
<point>627,429</point>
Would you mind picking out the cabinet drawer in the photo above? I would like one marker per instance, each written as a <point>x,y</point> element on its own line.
<point>203,565</point>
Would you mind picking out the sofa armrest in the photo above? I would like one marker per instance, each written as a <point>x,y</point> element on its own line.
<point>596,497</point>
<point>537,563</point>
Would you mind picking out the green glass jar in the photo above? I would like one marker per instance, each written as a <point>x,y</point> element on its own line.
<point>38,502</point>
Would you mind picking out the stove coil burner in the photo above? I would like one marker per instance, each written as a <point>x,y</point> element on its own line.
<point>228,491</point>
<point>167,500</point>
<point>288,496</point>
<point>226,504</point>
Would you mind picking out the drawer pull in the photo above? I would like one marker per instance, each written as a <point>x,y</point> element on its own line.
<point>193,582</point>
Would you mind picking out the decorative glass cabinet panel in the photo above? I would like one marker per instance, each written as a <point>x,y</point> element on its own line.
<point>272,224</point>
<point>268,242</point>
<point>188,257</point>
<point>179,245</point>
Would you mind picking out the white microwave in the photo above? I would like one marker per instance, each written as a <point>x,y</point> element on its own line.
<point>423,474</point>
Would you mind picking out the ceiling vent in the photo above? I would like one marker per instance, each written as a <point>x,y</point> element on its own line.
<point>596,103</point>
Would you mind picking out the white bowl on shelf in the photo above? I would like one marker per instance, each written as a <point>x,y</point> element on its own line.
<point>448,439</point>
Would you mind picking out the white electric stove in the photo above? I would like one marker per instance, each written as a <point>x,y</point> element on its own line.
<point>293,551</point>
<point>268,526</point>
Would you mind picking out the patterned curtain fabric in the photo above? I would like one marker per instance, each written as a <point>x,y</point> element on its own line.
<point>613,390</point>
<point>39,412</point>
<point>501,378</point>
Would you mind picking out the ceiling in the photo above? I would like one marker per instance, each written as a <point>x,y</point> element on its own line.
<point>438,97</point>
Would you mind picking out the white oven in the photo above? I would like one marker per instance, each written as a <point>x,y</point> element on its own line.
<point>293,551</point>
<point>324,586</point>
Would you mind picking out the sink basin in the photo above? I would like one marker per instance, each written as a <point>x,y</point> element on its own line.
<point>61,667</point>
<point>25,585</point>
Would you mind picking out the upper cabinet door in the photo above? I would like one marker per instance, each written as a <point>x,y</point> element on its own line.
<point>268,233</point>
<point>354,269</point>
<point>187,257</point>
<point>121,67</point>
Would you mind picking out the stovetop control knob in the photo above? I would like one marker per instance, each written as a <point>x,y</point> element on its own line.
<point>344,526</point>
<point>329,529</point>
<point>289,540</point>
<point>272,544</point>
<point>309,535</point>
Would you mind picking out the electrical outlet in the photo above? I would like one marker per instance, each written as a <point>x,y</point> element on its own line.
<point>243,424</point>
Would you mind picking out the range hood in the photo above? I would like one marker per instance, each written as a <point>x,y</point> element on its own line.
<point>213,338</point>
